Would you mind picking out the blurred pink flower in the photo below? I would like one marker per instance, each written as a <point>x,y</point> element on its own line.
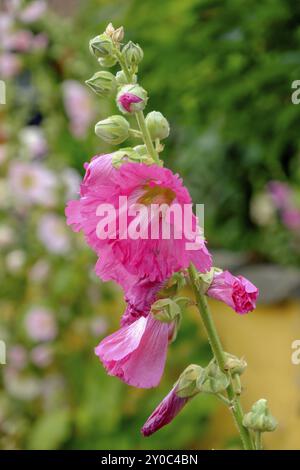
<point>79,107</point>
<point>40,42</point>
<point>10,65</point>
<point>40,324</point>
<point>164,413</point>
<point>19,41</point>
<point>17,356</point>
<point>280,193</point>
<point>291,218</point>
<point>32,183</point>
<point>53,234</point>
<point>42,355</point>
<point>33,12</point>
<point>235,291</point>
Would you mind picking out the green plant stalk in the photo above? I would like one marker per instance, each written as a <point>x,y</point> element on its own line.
<point>218,351</point>
<point>258,440</point>
<point>140,115</point>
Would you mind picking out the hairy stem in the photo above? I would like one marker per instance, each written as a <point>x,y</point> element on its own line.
<point>218,351</point>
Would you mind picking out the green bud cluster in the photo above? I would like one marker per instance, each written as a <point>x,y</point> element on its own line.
<point>259,418</point>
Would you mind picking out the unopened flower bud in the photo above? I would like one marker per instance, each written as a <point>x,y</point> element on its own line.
<point>260,418</point>
<point>234,364</point>
<point>113,130</point>
<point>131,99</point>
<point>172,286</point>
<point>165,310</point>
<point>107,61</point>
<point>157,125</point>
<point>103,83</point>
<point>117,35</point>
<point>141,149</point>
<point>132,53</point>
<point>214,380</point>
<point>101,46</point>
<point>122,80</point>
<point>124,155</point>
<point>188,380</point>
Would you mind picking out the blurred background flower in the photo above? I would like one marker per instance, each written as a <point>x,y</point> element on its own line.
<point>221,73</point>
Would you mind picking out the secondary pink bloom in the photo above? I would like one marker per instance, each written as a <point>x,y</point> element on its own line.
<point>40,324</point>
<point>17,356</point>
<point>32,183</point>
<point>79,107</point>
<point>126,100</point>
<point>136,353</point>
<point>165,412</point>
<point>153,258</point>
<point>235,291</point>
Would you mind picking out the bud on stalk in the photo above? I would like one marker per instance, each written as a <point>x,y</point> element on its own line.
<point>113,130</point>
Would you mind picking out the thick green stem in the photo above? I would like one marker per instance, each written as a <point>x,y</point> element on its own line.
<point>218,351</point>
<point>258,440</point>
<point>140,115</point>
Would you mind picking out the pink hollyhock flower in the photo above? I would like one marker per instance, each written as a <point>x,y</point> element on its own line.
<point>79,107</point>
<point>165,412</point>
<point>153,258</point>
<point>32,183</point>
<point>235,291</point>
<point>40,324</point>
<point>20,41</point>
<point>136,353</point>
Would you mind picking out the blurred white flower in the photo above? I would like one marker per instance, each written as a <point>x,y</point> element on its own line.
<point>7,236</point>
<point>33,141</point>
<point>262,210</point>
<point>53,233</point>
<point>32,183</point>
<point>15,261</point>
<point>19,386</point>
<point>40,324</point>
<point>71,180</point>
